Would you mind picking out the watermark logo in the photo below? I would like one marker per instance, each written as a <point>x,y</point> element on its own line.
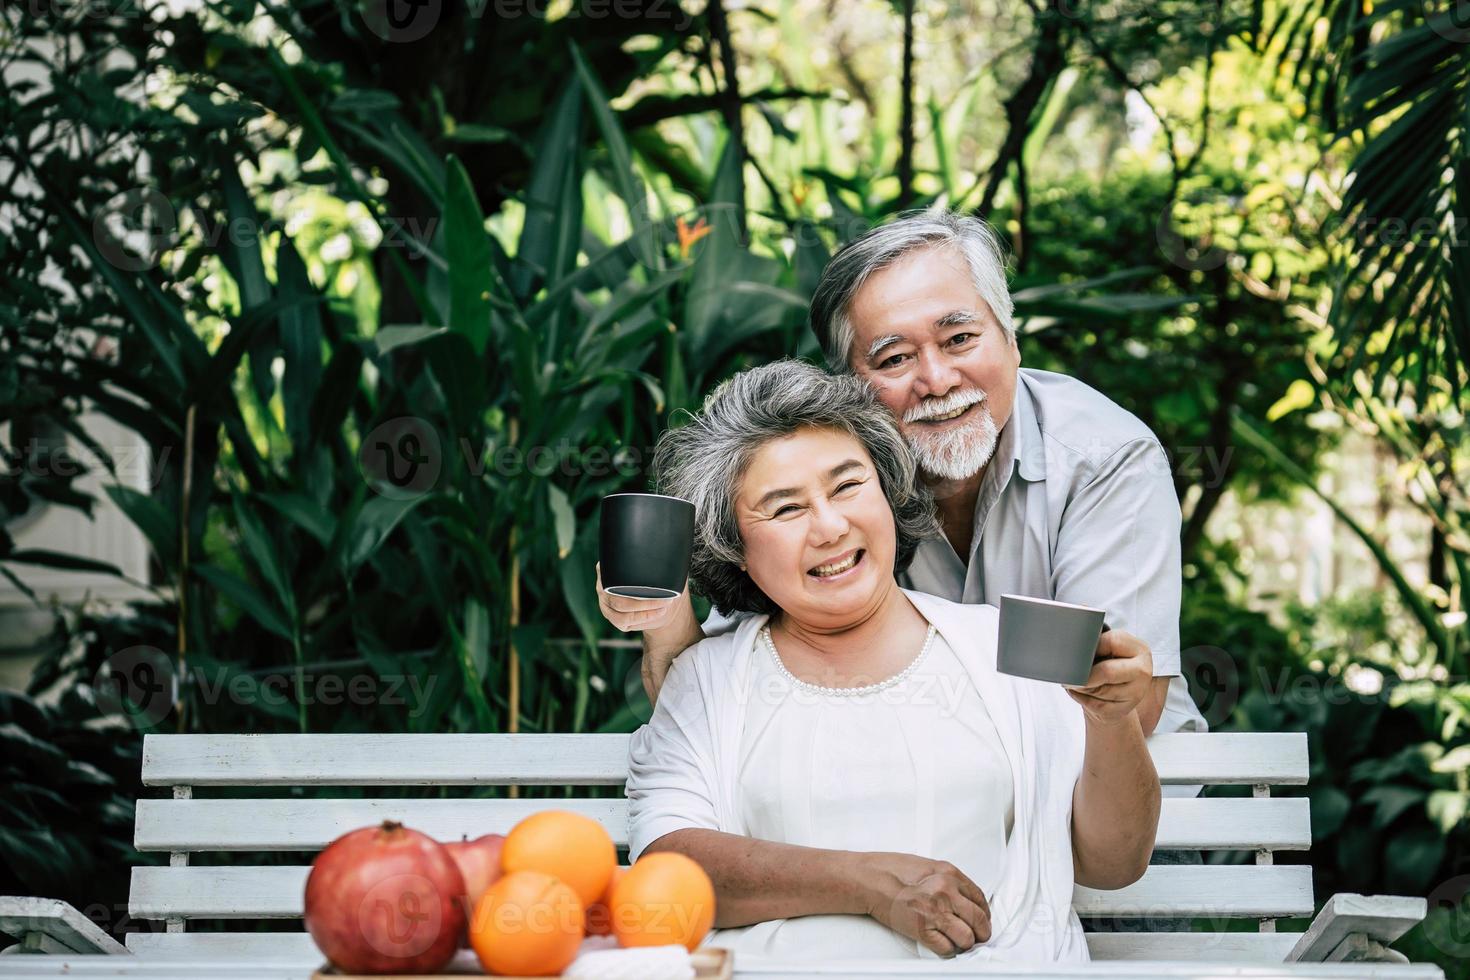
<point>401,21</point>
<point>1450,21</point>
<point>1187,229</point>
<point>134,230</point>
<point>139,683</point>
<point>1450,934</point>
<point>1214,681</point>
<point>401,458</point>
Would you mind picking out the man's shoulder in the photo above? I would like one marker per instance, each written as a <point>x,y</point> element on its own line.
<point>1080,424</point>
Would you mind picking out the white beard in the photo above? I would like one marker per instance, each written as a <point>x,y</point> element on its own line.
<point>957,453</point>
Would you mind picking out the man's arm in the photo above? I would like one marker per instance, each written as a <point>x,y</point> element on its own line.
<point>1153,706</point>
<point>1115,804</point>
<point>1118,549</point>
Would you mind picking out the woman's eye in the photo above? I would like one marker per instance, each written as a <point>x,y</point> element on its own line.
<point>789,507</point>
<point>849,485</point>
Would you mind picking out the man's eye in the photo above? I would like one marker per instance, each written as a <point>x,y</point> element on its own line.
<point>891,361</point>
<point>961,338</point>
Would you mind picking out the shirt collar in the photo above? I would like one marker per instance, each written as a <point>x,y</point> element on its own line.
<point>1027,449</point>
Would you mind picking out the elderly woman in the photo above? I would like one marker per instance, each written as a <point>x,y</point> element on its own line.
<point>847,764</point>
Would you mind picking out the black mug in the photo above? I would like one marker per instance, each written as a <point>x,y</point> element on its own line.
<point>645,543</point>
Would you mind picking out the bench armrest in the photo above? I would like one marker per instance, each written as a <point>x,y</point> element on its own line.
<point>1379,918</point>
<point>49,925</point>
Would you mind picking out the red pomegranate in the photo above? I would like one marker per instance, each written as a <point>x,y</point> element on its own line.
<point>385,899</point>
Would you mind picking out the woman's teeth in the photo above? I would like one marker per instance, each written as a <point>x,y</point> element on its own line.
<point>822,571</point>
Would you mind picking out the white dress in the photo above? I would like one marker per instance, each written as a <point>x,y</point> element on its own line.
<point>916,767</point>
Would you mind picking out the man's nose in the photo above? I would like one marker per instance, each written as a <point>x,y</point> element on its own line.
<point>937,377</point>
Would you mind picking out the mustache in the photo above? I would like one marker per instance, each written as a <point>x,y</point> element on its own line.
<point>943,406</point>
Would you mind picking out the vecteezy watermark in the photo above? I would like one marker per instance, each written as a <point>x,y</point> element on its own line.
<point>132,464</point>
<point>406,21</point>
<point>1213,678</point>
<point>1450,933</point>
<point>1450,21</point>
<point>135,228</point>
<point>141,683</point>
<point>401,21</point>
<point>1186,229</point>
<point>138,682</point>
<point>401,458</point>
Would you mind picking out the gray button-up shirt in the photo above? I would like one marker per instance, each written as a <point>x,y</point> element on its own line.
<point>1078,505</point>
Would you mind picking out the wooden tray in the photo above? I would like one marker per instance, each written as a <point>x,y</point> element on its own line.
<point>709,964</point>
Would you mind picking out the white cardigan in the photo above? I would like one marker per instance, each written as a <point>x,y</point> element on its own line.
<point>682,769</point>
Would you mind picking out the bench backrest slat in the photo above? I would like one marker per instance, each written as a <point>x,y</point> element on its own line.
<point>311,824</point>
<point>1220,891</point>
<point>586,760</point>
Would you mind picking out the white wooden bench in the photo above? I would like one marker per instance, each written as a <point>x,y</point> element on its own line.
<point>1348,928</point>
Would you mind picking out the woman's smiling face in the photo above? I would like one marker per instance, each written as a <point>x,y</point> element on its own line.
<point>818,531</point>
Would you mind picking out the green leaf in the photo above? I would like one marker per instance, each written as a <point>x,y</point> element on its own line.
<point>1447,809</point>
<point>1455,760</point>
<point>301,344</point>
<point>1330,807</point>
<point>578,575</point>
<point>391,338</point>
<point>1391,801</point>
<point>566,521</point>
<point>150,517</point>
<point>625,179</point>
<point>377,519</point>
<point>57,559</point>
<point>251,602</point>
<point>469,256</point>
<point>262,549</point>
<point>302,511</point>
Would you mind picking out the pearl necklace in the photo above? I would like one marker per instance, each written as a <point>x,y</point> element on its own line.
<point>846,692</point>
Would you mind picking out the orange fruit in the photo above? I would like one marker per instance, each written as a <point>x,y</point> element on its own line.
<point>664,898</point>
<point>527,924</point>
<point>570,846</point>
<point>599,917</point>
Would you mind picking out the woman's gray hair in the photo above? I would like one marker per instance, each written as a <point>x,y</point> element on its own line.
<point>881,247</point>
<point>705,460</point>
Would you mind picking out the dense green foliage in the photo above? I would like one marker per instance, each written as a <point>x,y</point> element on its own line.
<point>393,312</point>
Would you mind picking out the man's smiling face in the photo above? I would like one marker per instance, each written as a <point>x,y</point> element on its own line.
<point>938,359</point>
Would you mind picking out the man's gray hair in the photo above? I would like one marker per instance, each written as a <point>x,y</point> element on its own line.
<point>705,460</point>
<point>880,247</point>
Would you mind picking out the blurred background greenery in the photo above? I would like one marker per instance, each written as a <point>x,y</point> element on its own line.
<point>286,247</point>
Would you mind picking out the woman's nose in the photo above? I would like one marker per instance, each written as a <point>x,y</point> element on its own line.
<point>828,522</point>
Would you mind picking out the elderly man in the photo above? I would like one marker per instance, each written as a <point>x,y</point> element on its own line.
<point>1044,486</point>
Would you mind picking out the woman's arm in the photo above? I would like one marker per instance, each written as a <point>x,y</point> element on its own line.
<point>932,902</point>
<point>1115,805</point>
<point>756,880</point>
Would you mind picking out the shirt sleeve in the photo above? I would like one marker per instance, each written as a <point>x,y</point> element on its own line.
<point>717,622</point>
<point>1118,549</point>
<point>669,768</point>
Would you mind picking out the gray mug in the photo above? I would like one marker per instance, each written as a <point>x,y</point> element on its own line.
<point>1047,640</point>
